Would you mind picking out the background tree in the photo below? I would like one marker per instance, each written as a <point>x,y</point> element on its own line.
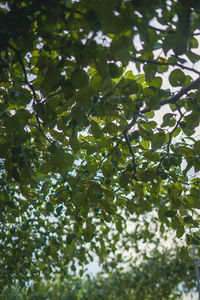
<point>81,152</point>
<point>161,276</point>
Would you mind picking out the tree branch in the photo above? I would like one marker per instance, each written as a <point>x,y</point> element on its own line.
<point>159,63</point>
<point>24,71</point>
<point>130,148</point>
<point>177,96</point>
<point>26,81</point>
<point>156,29</point>
<point>171,135</point>
<point>183,91</point>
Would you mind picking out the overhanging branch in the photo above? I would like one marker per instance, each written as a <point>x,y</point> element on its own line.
<point>160,63</point>
<point>183,91</point>
<point>177,96</point>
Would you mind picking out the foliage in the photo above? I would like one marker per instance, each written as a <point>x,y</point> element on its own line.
<point>81,152</point>
<point>161,276</point>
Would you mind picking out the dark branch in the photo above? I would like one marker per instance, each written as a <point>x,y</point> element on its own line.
<point>17,52</point>
<point>183,91</point>
<point>51,96</point>
<point>157,29</point>
<point>24,71</point>
<point>171,136</point>
<point>159,63</point>
<point>130,148</point>
<point>173,99</point>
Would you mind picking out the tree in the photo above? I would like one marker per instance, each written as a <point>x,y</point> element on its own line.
<point>81,152</point>
<point>140,282</point>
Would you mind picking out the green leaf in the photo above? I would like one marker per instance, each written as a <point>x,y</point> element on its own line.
<point>131,207</point>
<point>70,238</point>
<point>19,120</point>
<point>67,88</point>
<point>120,45</point>
<point>88,235</point>
<point>4,147</point>
<point>52,76</point>
<point>147,175</point>
<point>188,220</point>
<point>111,128</point>
<point>170,213</point>
<point>107,169</point>
<point>183,254</point>
<point>145,144</point>
<point>180,231</point>
<point>79,79</point>
<point>3,197</point>
<point>167,118</point>
<point>158,140</point>
<point>196,147</point>
<point>96,130</point>
<point>193,56</point>
<point>177,78</point>
<point>92,168</point>
<point>115,70</point>
<point>196,239</point>
<point>175,41</point>
<point>49,207</point>
<point>156,82</point>
<point>20,96</point>
<point>59,210</point>
<point>124,179</point>
<point>96,83</point>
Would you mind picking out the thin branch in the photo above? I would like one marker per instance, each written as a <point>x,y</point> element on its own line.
<point>156,29</point>
<point>130,148</point>
<point>71,10</point>
<point>173,99</point>
<point>187,68</point>
<point>171,135</point>
<point>51,96</point>
<point>183,91</point>
<point>40,129</point>
<point>17,52</point>
<point>159,63</point>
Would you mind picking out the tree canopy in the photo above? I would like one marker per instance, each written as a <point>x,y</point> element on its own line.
<point>81,150</point>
